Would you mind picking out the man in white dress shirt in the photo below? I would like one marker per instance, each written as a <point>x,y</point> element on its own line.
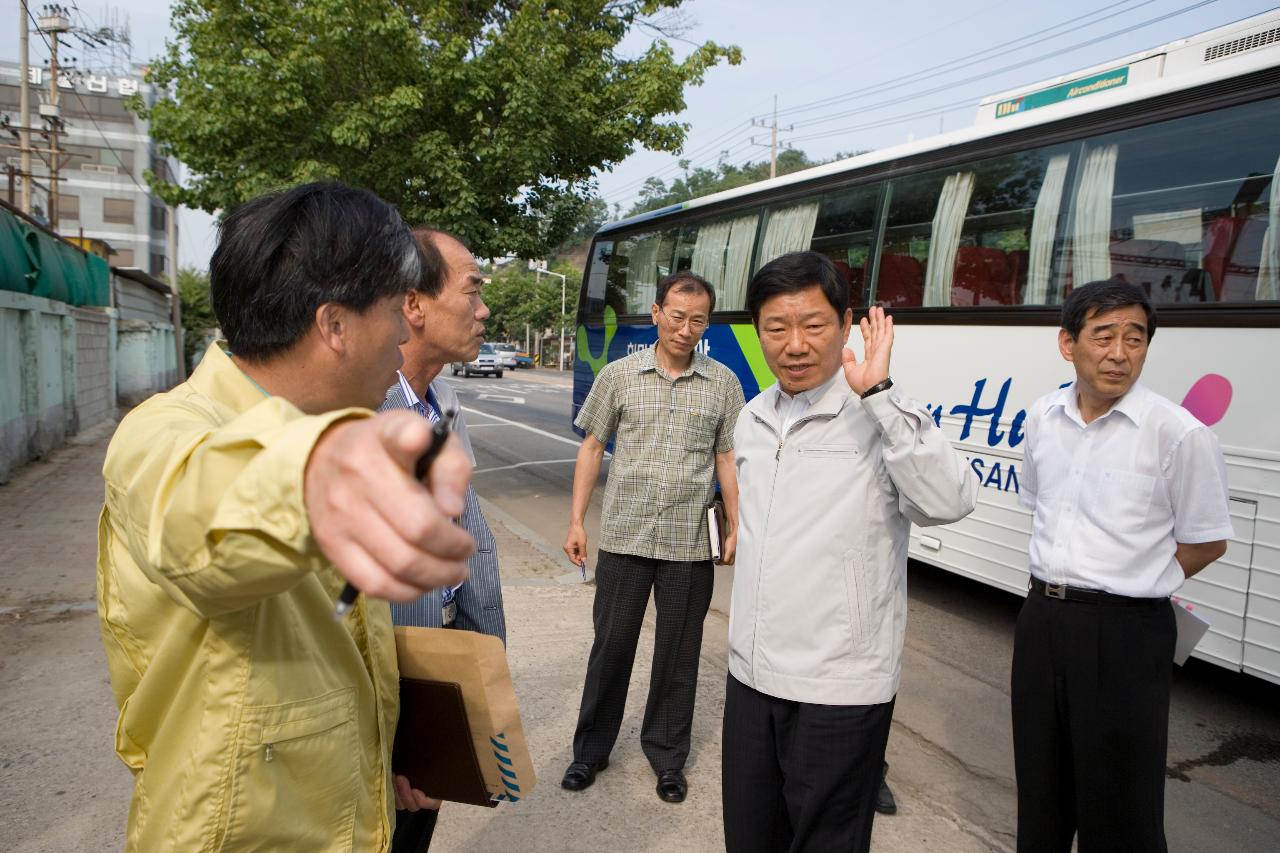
<point>1129,498</point>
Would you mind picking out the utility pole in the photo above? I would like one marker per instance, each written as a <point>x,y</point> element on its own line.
<point>24,108</point>
<point>773,138</point>
<point>54,24</point>
<point>178,332</point>
<point>539,267</point>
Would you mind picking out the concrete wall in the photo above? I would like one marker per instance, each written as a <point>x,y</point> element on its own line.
<point>95,366</point>
<point>37,378</point>
<point>64,369</point>
<point>146,360</point>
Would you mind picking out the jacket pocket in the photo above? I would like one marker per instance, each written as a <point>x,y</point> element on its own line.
<point>295,783</point>
<point>829,452</point>
<point>855,591</point>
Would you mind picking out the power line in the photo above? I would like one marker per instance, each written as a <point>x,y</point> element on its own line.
<point>1006,68</point>
<point>737,128</point>
<point>1020,41</point>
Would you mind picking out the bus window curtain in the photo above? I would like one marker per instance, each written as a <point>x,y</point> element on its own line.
<point>708,251</point>
<point>790,229</point>
<point>1044,226</point>
<point>1268,287</point>
<point>1091,237</point>
<point>642,274</point>
<point>732,295</point>
<point>948,222</point>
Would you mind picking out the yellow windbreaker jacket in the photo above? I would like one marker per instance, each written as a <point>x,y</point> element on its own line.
<point>250,718</point>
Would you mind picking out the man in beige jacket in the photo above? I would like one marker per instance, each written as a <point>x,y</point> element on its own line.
<point>237,505</point>
<point>834,464</point>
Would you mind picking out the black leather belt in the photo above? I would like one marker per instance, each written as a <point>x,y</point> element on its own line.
<point>1062,592</point>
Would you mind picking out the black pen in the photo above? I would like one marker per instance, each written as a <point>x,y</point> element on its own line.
<point>439,434</point>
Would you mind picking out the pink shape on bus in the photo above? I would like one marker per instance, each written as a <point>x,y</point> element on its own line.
<point>1208,398</point>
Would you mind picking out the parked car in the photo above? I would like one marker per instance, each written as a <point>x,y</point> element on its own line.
<point>486,362</point>
<point>523,359</point>
<point>507,355</point>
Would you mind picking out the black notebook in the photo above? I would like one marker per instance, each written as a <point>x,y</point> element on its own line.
<point>434,747</point>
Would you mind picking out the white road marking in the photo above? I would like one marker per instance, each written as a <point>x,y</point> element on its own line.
<point>502,398</point>
<point>507,422</point>
<point>575,442</point>
<point>524,464</point>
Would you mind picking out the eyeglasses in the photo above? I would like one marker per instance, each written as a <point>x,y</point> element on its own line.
<point>697,325</point>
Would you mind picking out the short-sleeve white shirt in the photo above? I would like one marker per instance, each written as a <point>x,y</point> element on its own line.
<point>1111,499</point>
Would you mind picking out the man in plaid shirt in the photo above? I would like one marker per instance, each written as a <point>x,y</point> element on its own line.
<point>670,412</point>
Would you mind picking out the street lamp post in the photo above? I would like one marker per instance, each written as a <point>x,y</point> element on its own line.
<point>538,270</point>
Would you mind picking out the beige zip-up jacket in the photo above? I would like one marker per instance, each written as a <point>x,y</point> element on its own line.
<point>820,586</point>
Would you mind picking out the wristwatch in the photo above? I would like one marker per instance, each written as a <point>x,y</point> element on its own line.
<point>884,385</point>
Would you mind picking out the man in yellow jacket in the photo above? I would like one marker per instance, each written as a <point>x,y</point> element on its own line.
<point>237,505</point>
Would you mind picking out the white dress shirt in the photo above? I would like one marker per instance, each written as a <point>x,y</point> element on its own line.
<point>1111,499</point>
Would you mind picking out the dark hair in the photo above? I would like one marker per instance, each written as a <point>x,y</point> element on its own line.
<point>797,271</point>
<point>685,282</point>
<point>283,255</point>
<point>434,269</point>
<point>1099,297</point>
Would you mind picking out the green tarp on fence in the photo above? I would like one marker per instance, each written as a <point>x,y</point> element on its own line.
<point>35,262</point>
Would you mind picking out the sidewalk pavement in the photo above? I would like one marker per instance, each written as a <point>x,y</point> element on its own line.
<point>62,788</point>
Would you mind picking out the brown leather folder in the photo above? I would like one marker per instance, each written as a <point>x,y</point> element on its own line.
<point>434,747</point>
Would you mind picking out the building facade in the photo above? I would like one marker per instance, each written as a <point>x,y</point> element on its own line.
<point>103,194</point>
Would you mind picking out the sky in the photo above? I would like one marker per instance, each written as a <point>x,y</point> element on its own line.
<point>844,72</point>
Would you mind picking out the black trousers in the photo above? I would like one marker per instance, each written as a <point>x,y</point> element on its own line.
<point>682,593</point>
<point>413,830</point>
<point>799,777</point>
<point>1090,697</point>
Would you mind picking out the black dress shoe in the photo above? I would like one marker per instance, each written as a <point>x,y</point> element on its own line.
<point>579,776</point>
<point>885,804</point>
<point>672,786</point>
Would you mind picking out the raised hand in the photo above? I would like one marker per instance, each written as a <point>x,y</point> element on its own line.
<point>877,344</point>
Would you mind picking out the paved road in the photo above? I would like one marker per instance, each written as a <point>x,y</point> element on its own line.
<point>1224,746</point>
<point>525,449</point>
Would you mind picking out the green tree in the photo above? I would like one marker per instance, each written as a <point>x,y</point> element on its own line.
<point>703,181</point>
<point>516,296</point>
<point>488,118</point>
<point>197,310</point>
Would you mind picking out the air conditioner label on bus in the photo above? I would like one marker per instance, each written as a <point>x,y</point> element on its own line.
<point>1113,79</point>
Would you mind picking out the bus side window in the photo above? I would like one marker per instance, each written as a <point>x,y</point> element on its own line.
<point>845,231</point>
<point>975,234</point>
<point>1167,208</point>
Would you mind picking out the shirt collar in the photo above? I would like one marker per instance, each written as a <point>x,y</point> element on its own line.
<point>410,395</point>
<point>219,377</point>
<point>810,397</point>
<point>649,361</point>
<point>1132,405</point>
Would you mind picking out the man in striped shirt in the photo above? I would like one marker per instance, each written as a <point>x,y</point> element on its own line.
<point>446,323</point>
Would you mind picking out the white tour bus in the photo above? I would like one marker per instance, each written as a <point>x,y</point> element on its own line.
<point>1160,168</point>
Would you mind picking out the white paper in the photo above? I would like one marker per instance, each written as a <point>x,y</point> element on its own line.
<point>1191,627</point>
<point>713,533</point>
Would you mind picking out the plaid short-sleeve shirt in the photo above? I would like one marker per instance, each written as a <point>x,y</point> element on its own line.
<point>666,433</point>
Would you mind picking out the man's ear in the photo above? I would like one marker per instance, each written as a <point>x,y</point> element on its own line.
<point>333,327</point>
<point>654,310</point>
<point>1066,345</point>
<point>415,309</point>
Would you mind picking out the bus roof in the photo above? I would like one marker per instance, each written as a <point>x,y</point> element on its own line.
<point>1249,45</point>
